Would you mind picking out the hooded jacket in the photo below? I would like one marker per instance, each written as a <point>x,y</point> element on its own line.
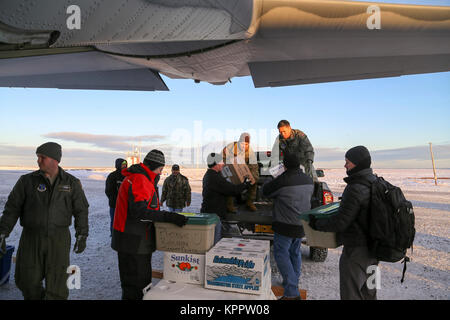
<point>351,221</point>
<point>137,200</point>
<point>113,182</point>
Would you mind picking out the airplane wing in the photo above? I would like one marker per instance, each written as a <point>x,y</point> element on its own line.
<point>121,45</point>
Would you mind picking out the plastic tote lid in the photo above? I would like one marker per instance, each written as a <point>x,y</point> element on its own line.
<point>201,218</point>
<point>322,211</point>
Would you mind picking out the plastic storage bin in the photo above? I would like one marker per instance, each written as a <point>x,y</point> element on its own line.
<point>197,236</point>
<point>5,265</point>
<point>316,238</point>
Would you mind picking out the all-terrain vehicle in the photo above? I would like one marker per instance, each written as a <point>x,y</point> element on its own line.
<point>258,225</point>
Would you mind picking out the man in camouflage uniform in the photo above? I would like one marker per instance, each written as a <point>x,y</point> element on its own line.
<point>45,201</point>
<point>176,191</point>
<point>241,152</point>
<point>295,141</point>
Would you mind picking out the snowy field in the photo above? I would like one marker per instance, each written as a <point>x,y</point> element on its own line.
<point>427,277</point>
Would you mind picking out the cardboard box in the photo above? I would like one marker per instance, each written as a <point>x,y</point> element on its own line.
<point>277,170</point>
<point>238,271</point>
<point>316,238</point>
<point>197,236</point>
<point>168,290</point>
<point>236,173</point>
<point>239,244</point>
<point>184,267</point>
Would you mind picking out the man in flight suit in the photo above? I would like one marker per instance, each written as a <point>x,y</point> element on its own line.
<point>45,201</point>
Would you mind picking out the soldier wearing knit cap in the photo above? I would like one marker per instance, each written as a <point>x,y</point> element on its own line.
<point>46,201</point>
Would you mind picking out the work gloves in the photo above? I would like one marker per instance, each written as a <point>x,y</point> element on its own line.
<point>2,245</point>
<point>80,244</point>
<point>312,221</point>
<point>247,183</point>
<point>177,219</point>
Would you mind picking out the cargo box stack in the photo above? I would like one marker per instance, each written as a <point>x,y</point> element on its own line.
<point>184,248</point>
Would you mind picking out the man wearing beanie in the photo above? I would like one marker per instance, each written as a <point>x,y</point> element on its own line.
<point>216,189</point>
<point>137,207</point>
<point>351,226</point>
<point>45,201</point>
<point>291,193</point>
<point>241,152</point>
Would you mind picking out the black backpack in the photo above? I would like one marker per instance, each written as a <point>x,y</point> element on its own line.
<point>391,222</point>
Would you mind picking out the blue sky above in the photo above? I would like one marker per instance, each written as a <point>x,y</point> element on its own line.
<point>383,114</point>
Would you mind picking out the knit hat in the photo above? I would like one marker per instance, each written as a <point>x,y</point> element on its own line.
<point>213,159</point>
<point>120,162</point>
<point>291,160</point>
<point>51,150</point>
<point>359,156</point>
<point>154,159</point>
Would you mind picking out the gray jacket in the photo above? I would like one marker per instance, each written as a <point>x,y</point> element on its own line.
<point>291,193</point>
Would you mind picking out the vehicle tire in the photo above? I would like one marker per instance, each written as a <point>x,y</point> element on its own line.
<point>318,254</point>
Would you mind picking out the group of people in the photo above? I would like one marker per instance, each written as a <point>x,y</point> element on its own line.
<point>46,200</point>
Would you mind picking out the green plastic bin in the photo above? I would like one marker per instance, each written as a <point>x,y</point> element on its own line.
<point>316,238</point>
<point>196,237</point>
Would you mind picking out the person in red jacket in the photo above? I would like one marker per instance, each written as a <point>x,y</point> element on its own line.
<point>133,237</point>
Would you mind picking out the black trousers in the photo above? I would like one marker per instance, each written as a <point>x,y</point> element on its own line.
<point>135,274</point>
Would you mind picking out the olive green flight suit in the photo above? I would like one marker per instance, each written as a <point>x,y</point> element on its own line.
<point>45,213</point>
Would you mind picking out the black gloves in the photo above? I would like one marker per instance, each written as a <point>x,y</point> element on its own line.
<point>2,245</point>
<point>247,182</point>
<point>80,244</point>
<point>177,219</point>
<point>312,221</point>
<point>309,168</point>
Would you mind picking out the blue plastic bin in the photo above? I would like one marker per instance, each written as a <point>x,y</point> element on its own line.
<point>5,265</point>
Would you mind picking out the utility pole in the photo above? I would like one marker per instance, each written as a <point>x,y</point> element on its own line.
<point>434,168</point>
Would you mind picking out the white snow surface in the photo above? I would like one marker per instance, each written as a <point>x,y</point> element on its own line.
<point>427,276</point>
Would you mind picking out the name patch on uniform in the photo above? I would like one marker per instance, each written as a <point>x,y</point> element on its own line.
<point>42,187</point>
<point>64,188</point>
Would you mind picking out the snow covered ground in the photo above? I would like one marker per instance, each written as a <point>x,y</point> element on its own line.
<point>427,277</point>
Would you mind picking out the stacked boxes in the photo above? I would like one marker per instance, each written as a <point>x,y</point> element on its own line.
<point>239,265</point>
<point>185,247</point>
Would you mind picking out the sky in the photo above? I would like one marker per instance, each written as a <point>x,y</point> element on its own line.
<point>395,118</point>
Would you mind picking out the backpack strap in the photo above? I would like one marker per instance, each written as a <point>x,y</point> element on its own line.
<point>405,260</point>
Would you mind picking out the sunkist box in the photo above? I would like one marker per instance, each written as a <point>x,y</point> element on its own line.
<point>317,238</point>
<point>236,173</point>
<point>184,267</point>
<point>238,270</point>
<point>197,236</point>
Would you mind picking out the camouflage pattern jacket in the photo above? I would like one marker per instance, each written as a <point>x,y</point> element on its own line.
<point>298,142</point>
<point>176,191</point>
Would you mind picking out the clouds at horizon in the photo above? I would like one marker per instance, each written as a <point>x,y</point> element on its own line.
<point>107,148</point>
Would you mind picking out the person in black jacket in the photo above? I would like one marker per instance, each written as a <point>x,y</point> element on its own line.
<point>216,189</point>
<point>112,185</point>
<point>351,226</point>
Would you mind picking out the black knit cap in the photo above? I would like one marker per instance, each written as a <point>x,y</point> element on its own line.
<point>360,156</point>
<point>154,159</point>
<point>51,150</point>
